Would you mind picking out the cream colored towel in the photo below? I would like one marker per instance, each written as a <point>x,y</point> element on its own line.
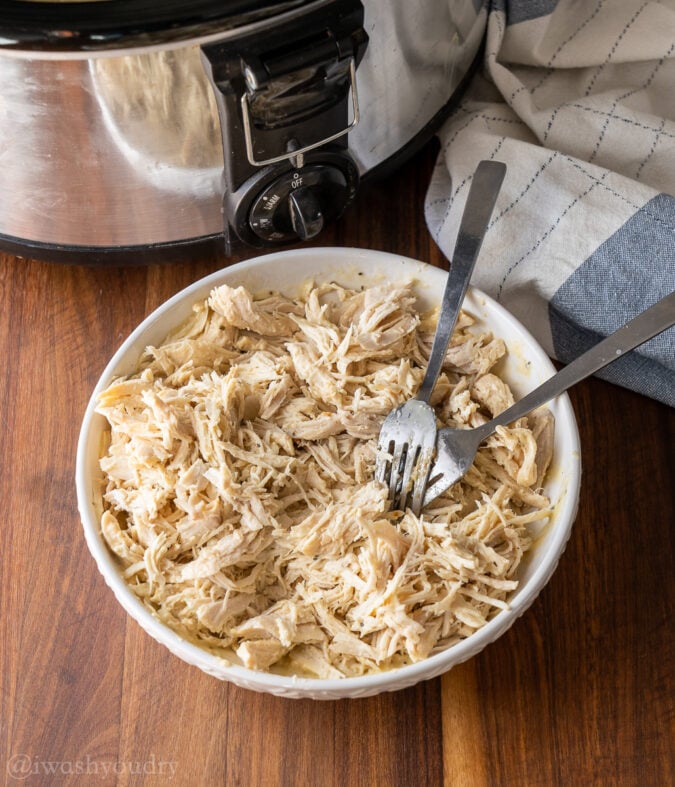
<point>578,99</point>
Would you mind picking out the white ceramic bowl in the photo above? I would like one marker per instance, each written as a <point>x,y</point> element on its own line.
<point>526,366</point>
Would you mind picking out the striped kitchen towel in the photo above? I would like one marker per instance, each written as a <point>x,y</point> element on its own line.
<point>578,99</point>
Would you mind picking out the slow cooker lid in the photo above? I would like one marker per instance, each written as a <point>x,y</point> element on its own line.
<point>90,26</point>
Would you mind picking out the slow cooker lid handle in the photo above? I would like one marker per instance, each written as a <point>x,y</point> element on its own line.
<point>124,24</point>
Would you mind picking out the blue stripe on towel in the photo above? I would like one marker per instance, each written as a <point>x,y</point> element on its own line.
<point>523,10</point>
<point>630,271</point>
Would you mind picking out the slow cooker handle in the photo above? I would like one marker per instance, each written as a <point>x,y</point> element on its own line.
<point>284,96</point>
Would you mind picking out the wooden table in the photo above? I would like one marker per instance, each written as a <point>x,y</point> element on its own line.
<point>578,692</point>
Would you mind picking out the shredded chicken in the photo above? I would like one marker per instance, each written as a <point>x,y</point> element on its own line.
<point>240,497</point>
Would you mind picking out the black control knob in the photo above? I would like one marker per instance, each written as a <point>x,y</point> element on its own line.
<point>305,212</point>
<point>299,203</point>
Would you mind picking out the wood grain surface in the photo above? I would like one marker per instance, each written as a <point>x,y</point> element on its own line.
<point>579,692</point>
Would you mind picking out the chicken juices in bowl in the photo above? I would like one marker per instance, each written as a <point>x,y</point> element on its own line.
<point>225,476</point>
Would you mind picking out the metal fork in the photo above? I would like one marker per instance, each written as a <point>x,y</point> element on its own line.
<point>457,447</point>
<point>408,435</point>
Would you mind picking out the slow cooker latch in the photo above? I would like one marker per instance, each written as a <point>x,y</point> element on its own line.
<point>263,108</point>
<point>287,98</point>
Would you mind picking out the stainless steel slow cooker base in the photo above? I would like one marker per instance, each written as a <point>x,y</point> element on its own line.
<point>116,156</point>
<point>177,251</point>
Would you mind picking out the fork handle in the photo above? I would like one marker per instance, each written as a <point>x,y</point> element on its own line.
<point>487,181</point>
<point>649,323</point>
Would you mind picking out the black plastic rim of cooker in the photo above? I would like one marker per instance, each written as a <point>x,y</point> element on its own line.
<point>119,24</point>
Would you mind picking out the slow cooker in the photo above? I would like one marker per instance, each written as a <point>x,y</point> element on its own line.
<point>140,131</point>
